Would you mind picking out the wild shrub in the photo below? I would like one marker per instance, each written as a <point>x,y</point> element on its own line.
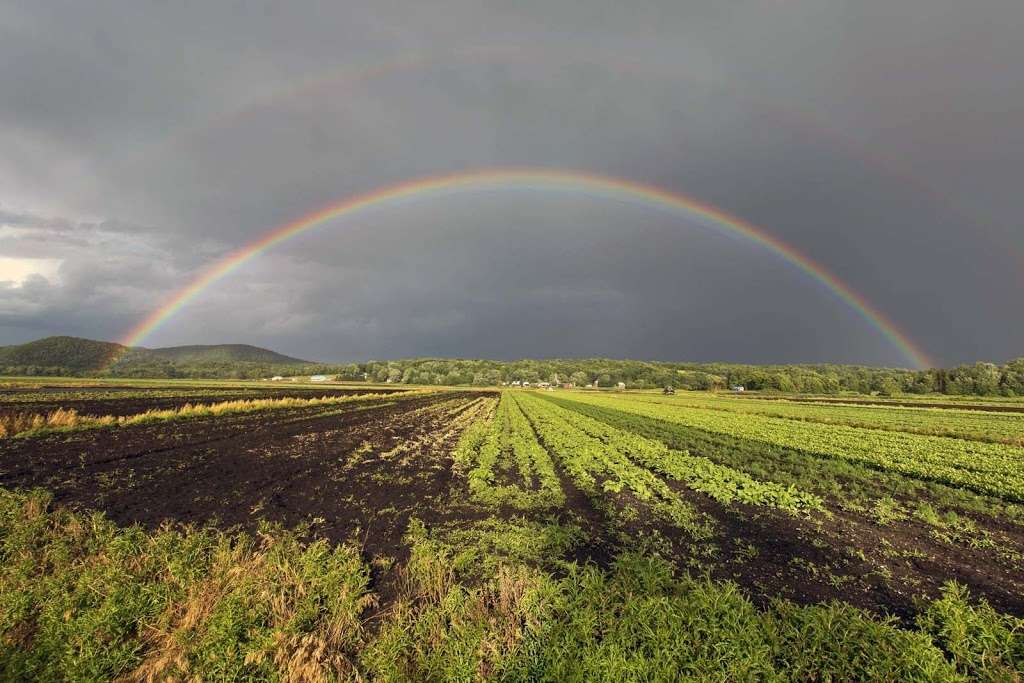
<point>984,644</point>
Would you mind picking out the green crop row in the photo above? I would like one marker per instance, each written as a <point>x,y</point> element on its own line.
<point>722,483</point>
<point>850,482</point>
<point>599,470</point>
<point>993,469</point>
<point>490,446</point>
<point>992,427</point>
<point>532,459</point>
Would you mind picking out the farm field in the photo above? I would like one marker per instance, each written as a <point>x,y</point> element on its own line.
<point>246,531</point>
<point>132,400</point>
<point>984,403</point>
<point>952,419</point>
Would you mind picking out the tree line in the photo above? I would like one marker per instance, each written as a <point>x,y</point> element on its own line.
<point>979,379</point>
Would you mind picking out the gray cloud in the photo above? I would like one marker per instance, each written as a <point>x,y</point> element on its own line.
<point>883,140</point>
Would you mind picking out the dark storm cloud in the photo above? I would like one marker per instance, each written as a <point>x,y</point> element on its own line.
<point>884,140</point>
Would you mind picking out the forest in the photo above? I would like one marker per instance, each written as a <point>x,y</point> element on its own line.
<point>978,379</point>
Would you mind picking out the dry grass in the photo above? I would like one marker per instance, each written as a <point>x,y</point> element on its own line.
<point>18,423</point>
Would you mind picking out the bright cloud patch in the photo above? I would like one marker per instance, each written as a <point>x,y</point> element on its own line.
<point>15,271</point>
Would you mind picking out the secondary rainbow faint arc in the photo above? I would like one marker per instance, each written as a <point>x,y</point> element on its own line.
<point>529,179</point>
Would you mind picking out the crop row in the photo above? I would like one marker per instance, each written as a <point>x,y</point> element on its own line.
<point>994,469</point>
<point>993,427</point>
<point>722,483</point>
<point>487,450</point>
<point>599,470</point>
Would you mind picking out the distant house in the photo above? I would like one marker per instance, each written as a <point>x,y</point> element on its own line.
<point>276,378</point>
<point>739,388</point>
<point>568,385</point>
<point>319,378</point>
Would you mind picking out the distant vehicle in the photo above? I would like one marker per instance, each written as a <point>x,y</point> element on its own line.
<point>669,391</point>
<point>276,378</point>
<point>319,378</point>
<point>739,388</point>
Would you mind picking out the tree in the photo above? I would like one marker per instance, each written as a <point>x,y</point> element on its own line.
<point>888,387</point>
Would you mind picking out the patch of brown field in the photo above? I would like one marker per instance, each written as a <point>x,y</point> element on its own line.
<point>289,467</point>
<point>106,402</point>
<point>27,424</point>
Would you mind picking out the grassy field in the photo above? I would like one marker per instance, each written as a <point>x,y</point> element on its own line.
<point>341,533</point>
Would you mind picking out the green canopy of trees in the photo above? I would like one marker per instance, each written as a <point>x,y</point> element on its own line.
<point>979,379</point>
<point>69,356</point>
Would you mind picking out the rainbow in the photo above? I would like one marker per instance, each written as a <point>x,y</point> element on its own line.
<point>605,187</point>
<point>543,54</point>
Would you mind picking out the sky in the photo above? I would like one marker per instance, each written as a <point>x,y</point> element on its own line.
<point>884,140</point>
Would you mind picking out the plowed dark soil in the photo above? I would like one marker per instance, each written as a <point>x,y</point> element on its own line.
<point>114,405</point>
<point>332,468</point>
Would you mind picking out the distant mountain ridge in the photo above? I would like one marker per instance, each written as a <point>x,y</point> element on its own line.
<point>224,353</point>
<point>69,352</point>
<point>79,354</point>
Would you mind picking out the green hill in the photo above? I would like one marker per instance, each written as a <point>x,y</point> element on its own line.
<point>77,355</point>
<point>67,352</point>
<point>223,353</point>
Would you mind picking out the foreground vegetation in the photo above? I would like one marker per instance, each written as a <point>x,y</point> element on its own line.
<point>83,599</point>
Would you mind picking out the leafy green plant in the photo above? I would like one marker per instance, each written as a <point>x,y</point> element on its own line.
<point>992,469</point>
